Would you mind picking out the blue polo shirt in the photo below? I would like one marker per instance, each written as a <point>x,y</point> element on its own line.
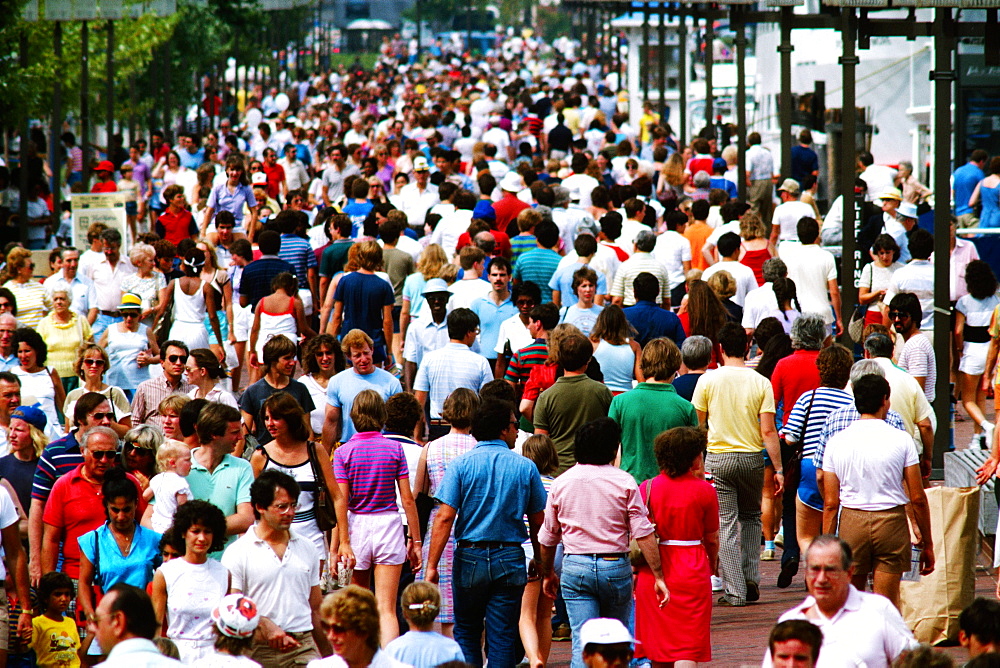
<point>490,317</point>
<point>347,384</point>
<point>966,177</point>
<point>492,488</point>
<point>226,487</point>
<point>650,321</point>
<point>562,281</point>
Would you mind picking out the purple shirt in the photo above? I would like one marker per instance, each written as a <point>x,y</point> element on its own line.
<point>141,175</point>
<point>370,464</point>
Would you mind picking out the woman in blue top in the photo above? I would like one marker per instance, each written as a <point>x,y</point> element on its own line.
<point>232,196</point>
<point>120,550</point>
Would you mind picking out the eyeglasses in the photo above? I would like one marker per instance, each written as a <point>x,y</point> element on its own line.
<point>324,353</point>
<point>139,450</point>
<point>6,305</point>
<point>284,507</point>
<point>103,416</point>
<point>898,315</point>
<point>612,654</point>
<point>104,454</point>
<point>129,314</point>
<point>338,629</point>
<point>177,359</point>
<point>94,362</point>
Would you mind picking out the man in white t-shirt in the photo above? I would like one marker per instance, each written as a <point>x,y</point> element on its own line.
<point>673,251</point>
<point>279,571</point>
<point>814,271</point>
<point>870,487</point>
<point>472,260</point>
<point>787,214</point>
<point>729,252</point>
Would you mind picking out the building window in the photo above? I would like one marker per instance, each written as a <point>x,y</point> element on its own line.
<point>356,9</point>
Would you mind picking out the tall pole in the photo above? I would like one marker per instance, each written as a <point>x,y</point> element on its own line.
<point>85,101</point>
<point>168,102</point>
<point>682,78</point>
<point>851,263</point>
<point>109,86</point>
<point>131,109</point>
<point>644,54</point>
<point>709,65</point>
<point>55,124</point>
<point>24,155</point>
<point>420,30</point>
<point>661,59</point>
<point>943,76</point>
<point>468,25</point>
<point>785,48</point>
<point>739,22</point>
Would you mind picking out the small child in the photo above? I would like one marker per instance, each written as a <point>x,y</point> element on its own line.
<point>235,619</point>
<point>131,189</point>
<point>169,488</point>
<point>53,635</point>
<point>421,646</point>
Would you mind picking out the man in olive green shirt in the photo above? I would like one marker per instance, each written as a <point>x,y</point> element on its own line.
<point>650,409</point>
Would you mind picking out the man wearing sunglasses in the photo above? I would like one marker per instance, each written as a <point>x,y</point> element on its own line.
<point>150,393</point>
<point>59,458</point>
<point>606,643</point>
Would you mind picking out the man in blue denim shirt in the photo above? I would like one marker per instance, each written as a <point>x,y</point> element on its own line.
<point>485,494</point>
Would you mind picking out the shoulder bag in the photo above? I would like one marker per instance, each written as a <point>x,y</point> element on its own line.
<point>792,455</point>
<point>326,512</point>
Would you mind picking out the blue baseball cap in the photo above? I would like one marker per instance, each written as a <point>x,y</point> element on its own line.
<point>484,210</point>
<point>31,415</point>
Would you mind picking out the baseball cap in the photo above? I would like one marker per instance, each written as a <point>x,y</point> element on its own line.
<point>790,186</point>
<point>32,415</point>
<point>484,209</point>
<point>236,616</point>
<point>420,164</point>
<point>104,166</point>
<point>259,179</point>
<point>130,300</point>
<point>435,285</point>
<point>604,631</point>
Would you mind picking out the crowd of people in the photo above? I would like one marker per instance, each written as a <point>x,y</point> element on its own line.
<point>459,341</point>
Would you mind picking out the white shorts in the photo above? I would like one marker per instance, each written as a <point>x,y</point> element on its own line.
<point>242,322</point>
<point>306,296</point>
<point>973,362</point>
<point>377,539</point>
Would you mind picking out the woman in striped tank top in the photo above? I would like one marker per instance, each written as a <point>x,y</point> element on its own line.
<point>288,424</point>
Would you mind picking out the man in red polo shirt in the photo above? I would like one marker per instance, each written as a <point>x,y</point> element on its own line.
<point>509,205</point>
<point>275,175</point>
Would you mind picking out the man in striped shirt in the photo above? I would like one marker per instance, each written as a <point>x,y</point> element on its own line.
<point>539,264</point>
<point>59,458</point>
<point>296,251</point>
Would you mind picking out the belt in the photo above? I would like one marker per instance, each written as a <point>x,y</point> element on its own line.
<point>681,543</point>
<point>113,314</point>
<point>602,555</point>
<point>485,544</point>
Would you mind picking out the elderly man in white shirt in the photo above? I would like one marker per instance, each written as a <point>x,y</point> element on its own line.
<point>859,629</point>
<point>760,302</point>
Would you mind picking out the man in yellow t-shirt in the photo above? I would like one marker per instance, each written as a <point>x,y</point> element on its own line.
<point>736,405</point>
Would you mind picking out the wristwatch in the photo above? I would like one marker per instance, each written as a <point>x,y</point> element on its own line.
<point>779,472</point>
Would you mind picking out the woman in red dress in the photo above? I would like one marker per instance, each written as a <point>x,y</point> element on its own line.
<point>755,249</point>
<point>685,510</point>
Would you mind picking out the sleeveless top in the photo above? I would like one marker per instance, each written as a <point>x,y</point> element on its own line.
<point>617,365</point>
<point>755,259</point>
<point>189,308</point>
<point>305,515</point>
<point>39,385</point>
<point>193,591</point>
<point>272,324</point>
<point>123,348</point>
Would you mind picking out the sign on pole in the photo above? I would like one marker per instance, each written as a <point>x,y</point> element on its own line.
<point>107,208</point>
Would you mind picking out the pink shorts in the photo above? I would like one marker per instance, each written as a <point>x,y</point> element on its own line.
<point>377,539</point>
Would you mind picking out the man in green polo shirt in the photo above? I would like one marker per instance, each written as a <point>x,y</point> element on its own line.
<point>216,475</point>
<point>573,401</point>
<point>651,408</point>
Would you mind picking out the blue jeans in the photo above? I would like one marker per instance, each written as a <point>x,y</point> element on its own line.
<point>102,323</point>
<point>595,587</point>
<point>488,585</point>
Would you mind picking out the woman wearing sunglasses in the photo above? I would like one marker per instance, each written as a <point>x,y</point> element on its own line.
<point>130,345</point>
<point>92,362</point>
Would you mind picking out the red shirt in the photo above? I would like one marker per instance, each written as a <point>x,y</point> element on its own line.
<point>75,507</point>
<point>502,247</point>
<point>275,177</point>
<point>700,164</point>
<point>160,152</point>
<point>104,187</point>
<point>507,209</point>
<point>794,376</point>
<point>176,226</point>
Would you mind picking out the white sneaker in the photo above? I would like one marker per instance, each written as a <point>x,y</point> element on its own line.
<point>975,443</point>
<point>717,584</point>
<point>988,428</point>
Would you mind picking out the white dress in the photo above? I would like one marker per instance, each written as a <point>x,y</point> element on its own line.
<point>39,385</point>
<point>193,591</point>
<point>166,486</point>
<point>123,349</point>
<point>189,316</point>
<point>318,394</point>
